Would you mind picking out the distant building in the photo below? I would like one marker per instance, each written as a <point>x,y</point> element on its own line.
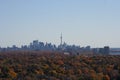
<point>106,50</point>
<point>95,50</point>
<point>66,53</point>
<point>103,51</point>
<point>88,48</point>
<point>24,47</point>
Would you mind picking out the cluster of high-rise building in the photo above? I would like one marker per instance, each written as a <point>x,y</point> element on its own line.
<point>37,46</point>
<point>63,47</point>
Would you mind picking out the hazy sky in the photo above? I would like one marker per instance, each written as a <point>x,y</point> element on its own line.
<point>82,22</point>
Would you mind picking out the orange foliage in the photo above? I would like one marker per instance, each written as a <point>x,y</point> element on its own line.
<point>57,66</point>
<point>12,74</point>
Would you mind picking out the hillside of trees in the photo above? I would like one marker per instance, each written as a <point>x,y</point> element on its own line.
<point>26,65</point>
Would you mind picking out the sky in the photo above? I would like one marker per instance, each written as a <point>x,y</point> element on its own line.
<point>81,22</point>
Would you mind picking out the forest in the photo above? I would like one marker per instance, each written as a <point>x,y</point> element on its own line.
<point>45,65</point>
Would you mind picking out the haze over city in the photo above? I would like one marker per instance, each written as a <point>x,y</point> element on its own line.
<point>82,22</point>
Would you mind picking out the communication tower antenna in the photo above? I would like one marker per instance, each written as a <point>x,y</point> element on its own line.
<point>61,39</point>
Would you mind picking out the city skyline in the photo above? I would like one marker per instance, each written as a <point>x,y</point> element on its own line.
<point>36,45</point>
<point>81,22</point>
